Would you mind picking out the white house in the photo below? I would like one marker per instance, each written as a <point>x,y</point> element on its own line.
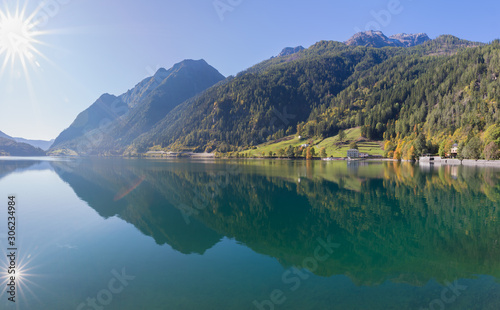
<point>353,153</point>
<point>454,151</point>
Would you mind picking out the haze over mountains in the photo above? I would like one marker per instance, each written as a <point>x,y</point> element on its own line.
<point>389,86</point>
<point>9,147</point>
<point>43,144</point>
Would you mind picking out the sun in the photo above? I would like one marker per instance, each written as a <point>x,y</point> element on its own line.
<point>18,37</point>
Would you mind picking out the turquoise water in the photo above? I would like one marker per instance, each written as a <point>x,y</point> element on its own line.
<point>173,234</point>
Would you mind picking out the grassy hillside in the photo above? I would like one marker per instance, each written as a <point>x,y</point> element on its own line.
<point>333,146</point>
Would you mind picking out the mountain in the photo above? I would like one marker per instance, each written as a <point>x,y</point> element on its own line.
<point>43,144</point>
<point>409,40</point>
<point>269,101</point>
<point>86,130</point>
<point>108,125</point>
<point>144,88</point>
<point>9,147</point>
<point>183,81</point>
<point>287,51</point>
<point>378,39</point>
<point>416,94</point>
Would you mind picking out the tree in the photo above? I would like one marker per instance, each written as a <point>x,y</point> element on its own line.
<point>289,152</point>
<point>411,153</point>
<point>310,153</point>
<point>389,148</point>
<point>270,153</point>
<point>420,146</point>
<point>491,151</point>
<point>281,152</point>
<point>322,153</point>
<point>341,135</point>
<point>472,149</point>
<point>297,151</point>
<point>353,145</point>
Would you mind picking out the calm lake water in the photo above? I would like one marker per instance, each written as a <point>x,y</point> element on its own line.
<point>145,234</point>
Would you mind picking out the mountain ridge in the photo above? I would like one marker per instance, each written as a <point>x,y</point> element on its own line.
<point>113,121</point>
<point>42,144</point>
<point>9,147</point>
<point>378,39</point>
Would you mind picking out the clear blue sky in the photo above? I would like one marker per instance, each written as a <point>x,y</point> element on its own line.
<point>107,46</point>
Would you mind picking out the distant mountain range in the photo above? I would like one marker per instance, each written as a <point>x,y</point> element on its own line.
<point>10,146</point>
<point>396,88</point>
<point>43,144</point>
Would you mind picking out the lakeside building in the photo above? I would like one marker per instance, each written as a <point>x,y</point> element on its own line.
<point>353,153</point>
<point>454,151</point>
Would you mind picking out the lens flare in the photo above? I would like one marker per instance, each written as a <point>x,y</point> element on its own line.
<point>18,37</point>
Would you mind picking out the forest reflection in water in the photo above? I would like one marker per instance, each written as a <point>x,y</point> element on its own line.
<point>394,221</point>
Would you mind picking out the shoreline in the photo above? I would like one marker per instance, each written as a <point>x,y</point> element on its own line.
<point>424,161</point>
<point>438,161</point>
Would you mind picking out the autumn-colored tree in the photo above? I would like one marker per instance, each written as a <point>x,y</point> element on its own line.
<point>398,152</point>
<point>410,155</point>
<point>309,153</point>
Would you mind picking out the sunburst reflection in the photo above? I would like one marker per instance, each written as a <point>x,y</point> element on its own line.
<point>23,276</point>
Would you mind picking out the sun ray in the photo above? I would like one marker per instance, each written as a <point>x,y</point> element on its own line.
<point>19,37</point>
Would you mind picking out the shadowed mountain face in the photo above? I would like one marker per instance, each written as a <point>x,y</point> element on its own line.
<point>111,123</point>
<point>392,222</point>
<point>97,117</point>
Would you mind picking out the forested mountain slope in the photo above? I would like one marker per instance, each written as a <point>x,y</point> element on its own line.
<point>332,86</point>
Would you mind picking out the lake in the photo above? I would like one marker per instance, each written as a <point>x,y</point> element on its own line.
<point>180,234</point>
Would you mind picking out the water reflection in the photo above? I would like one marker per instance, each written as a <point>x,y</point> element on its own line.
<point>397,222</point>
